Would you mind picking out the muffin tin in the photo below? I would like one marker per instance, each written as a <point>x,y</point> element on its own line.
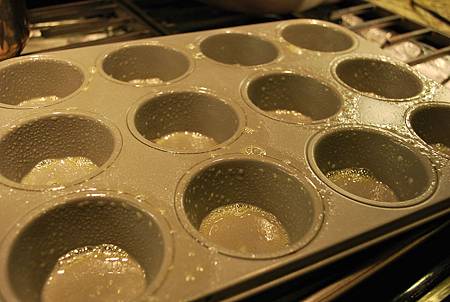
<point>282,105</point>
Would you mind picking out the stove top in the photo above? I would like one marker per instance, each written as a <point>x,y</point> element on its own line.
<point>91,22</point>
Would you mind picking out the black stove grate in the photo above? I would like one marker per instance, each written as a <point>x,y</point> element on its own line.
<point>84,23</point>
<point>92,22</point>
<point>419,46</point>
<point>174,16</point>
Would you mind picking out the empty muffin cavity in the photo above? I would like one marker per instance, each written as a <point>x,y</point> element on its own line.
<point>144,65</point>
<point>372,167</point>
<point>56,150</point>
<point>185,122</point>
<point>431,122</point>
<point>318,37</point>
<point>379,78</point>
<point>250,208</point>
<point>293,98</point>
<point>238,49</point>
<point>90,248</point>
<point>38,82</point>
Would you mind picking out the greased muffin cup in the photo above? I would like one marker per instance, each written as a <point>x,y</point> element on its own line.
<point>218,160</point>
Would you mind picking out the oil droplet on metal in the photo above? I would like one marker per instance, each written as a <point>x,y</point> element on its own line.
<point>95,273</point>
<point>39,101</point>
<point>186,141</point>
<point>245,228</point>
<point>50,172</point>
<point>361,182</point>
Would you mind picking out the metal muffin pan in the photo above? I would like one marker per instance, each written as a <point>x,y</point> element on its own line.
<point>282,106</point>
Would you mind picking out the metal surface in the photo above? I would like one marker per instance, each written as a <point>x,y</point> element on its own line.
<point>422,47</point>
<point>107,21</point>
<point>257,158</point>
<point>335,281</point>
<point>437,275</point>
<point>39,78</point>
<point>144,235</point>
<point>94,22</point>
<point>84,23</point>
<point>408,174</point>
<point>175,16</point>
<point>428,122</point>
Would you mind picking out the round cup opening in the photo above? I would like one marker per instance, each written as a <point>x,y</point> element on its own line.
<point>38,82</point>
<point>378,78</point>
<point>317,37</point>
<point>239,49</point>
<point>185,122</point>
<point>145,64</point>
<point>250,208</point>
<point>56,150</point>
<point>293,98</point>
<point>432,124</point>
<point>92,248</point>
<point>372,167</point>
